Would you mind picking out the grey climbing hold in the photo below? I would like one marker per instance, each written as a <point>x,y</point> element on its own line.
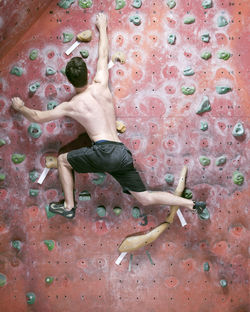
<point>206,55</point>
<point>51,105</point>
<point>224,55</point>
<point>136,212</point>
<point>221,160</point>
<point>238,130</point>
<point>136,20</point>
<point>101,211</point>
<point>189,19</point>
<point>33,54</point>
<point>238,178</point>
<point>171,39</point>
<point>17,71</point>
<point>223,89</point>
<point>204,125</point>
<point>137,4</point>
<point>33,87</point>
<point>187,194</point>
<point>35,130</point>
<point>84,196</point>
<point>204,161</point>
<point>207,4</point>
<point>33,192</point>
<point>205,37</point>
<point>84,53</point>
<point>188,71</point>
<point>204,106</point>
<point>85,4</point>
<point>16,244</point>
<point>65,4</point>
<point>169,178</point>
<point>2,142</point>
<point>188,90</point>
<point>171,4</point>
<point>33,175</point>
<point>205,215</point>
<point>50,71</point>
<point>221,21</point>
<point>67,37</point>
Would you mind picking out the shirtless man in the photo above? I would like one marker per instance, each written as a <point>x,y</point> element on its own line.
<point>93,108</point>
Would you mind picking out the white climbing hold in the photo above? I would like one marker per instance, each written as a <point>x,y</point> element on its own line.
<point>43,175</point>
<point>120,258</point>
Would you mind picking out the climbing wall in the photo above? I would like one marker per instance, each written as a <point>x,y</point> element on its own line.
<point>182,95</point>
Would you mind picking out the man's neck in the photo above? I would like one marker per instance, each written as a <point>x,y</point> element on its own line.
<point>80,90</point>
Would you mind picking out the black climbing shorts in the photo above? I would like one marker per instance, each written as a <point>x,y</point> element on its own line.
<point>111,157</point>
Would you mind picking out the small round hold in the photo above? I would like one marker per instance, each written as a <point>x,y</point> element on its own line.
<point>119,57</point>
<point>49,279</point>
<point>206,267</point>
<point>136,20</point>
<point>31,297</point>
<point>120,127</point>
<point>238,130</point>
<point>84,53</point>
<point>35,130</point>
<point>223,283</point>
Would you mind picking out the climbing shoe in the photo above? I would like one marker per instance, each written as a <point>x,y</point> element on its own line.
<point>201,210</point>
<point>59,208</point>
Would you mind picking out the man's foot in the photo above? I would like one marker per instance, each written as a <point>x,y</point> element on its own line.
<point>201,210</point>
<point>59,208</point>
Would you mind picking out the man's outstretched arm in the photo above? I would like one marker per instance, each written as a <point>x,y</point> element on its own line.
<point>102,74</point>
<point>34,115</point>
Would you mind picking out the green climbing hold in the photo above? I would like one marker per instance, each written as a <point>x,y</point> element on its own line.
<point>189,19</point>
<point>171,4</point>
<point>206,267</point>
<point>120,4</point>
<point>50,71</point>
<point>15,70</point>
<point>171,39</point>
<point>101,211</point>
<point>221,21</point>
<point>49,279</point>
<point>223,283</point>
<point>188,90</point>
<point>224,55</point>
<point>205,37</point>
<point>2,142</point>
<point>207,4</point>
<point>30,297</point>
<point>169,178</point>
<point>238,178</point>
<point>33,175</point>
<point>221,160</point>
<point>33,54</point>
<point>100,179</point>
<point>35,130</point>
<point>117,211</point>
<point>206,55</point>
<point>84,196</point>
<point>50,244</point>
<point>2,176</point>
<point>204,161</point>
<point>136,20</point>
<point>188,71</point>
<point>51,105</point>
<point>33,87</point>
<point>204,125</point>
<point>63,71</point>
<point>187,194</point>
<point>65,4</point>
<point>17,158</point>
<point>84,53</point>
<point>85,4</point>
<point>49,213</point>
<point>3,280</point>
<point>137,4</point>
<point>223,90</point>
<point>204,106</point>
<point>136,212</point>
<point>238,130</point>
<point>67,37</point>
<point>16,244</point>
<point>33,192</point>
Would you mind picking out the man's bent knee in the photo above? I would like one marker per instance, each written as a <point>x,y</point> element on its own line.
<point>145,198</point>
<point>62,160</point>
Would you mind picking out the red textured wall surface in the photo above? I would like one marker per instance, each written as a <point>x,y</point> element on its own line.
<point>163,131</point>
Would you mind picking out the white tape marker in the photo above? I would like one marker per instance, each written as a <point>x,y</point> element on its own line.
<point>73,47</point>
<point>110,64</point>
<point>43,175</point>
<point>180,215</point>
<point>120,258</point>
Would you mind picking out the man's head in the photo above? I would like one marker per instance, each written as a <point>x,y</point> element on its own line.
<point>76,72</point>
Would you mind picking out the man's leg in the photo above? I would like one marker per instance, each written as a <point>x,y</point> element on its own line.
<point>67,180</point>
<point>147,198</point>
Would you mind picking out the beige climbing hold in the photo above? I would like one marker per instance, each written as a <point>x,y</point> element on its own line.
<point>51,162</point>
<point>119,57</point>
<point>85,36</point>
<point>120,126</point>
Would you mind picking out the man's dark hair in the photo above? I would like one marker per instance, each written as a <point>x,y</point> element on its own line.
<point>76,72</point>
